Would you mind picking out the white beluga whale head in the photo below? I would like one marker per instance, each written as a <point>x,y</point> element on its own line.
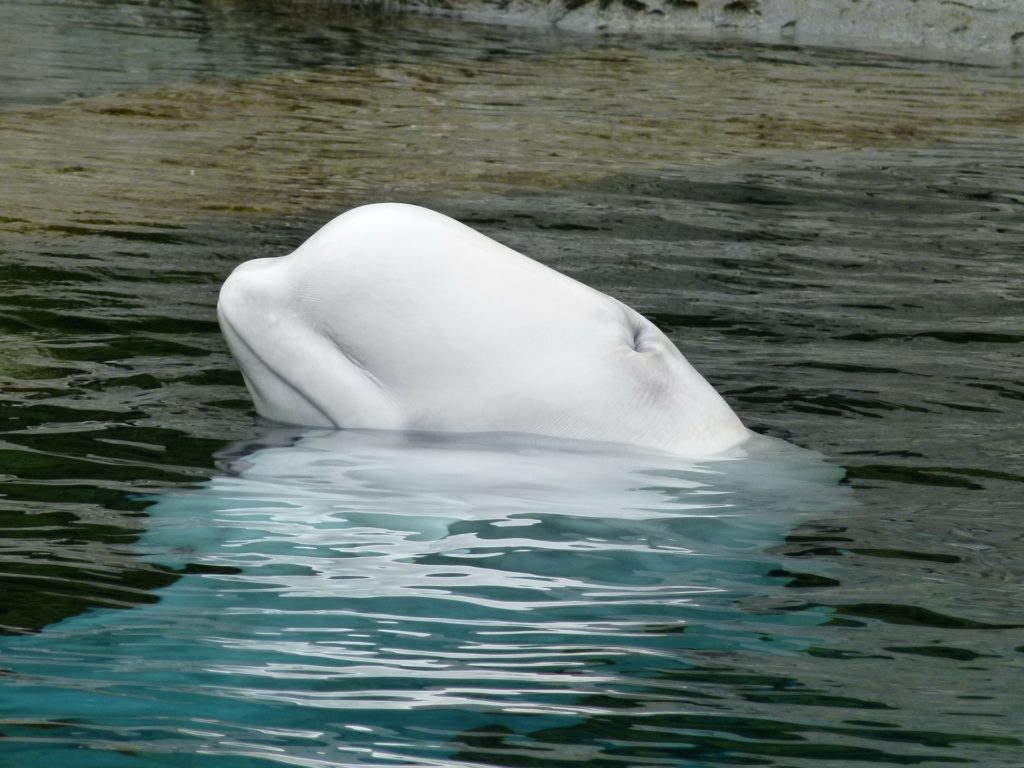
<point>396,317</point>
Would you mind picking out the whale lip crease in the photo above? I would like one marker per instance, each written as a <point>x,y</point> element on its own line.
<point>228,326</point>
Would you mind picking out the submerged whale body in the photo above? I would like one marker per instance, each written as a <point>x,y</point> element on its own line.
<point>396,317</point>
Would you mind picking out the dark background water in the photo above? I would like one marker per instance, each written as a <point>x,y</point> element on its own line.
<point>833,239</point>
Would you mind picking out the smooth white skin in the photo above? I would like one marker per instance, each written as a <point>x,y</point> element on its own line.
<point>395,317</point>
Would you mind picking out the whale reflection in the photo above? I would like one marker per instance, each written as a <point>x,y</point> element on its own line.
<point>419,583</point>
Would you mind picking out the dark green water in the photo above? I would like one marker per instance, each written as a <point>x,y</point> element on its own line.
<point>833,239</point>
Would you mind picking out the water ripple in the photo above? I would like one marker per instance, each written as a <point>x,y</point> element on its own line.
<point>833,239</point>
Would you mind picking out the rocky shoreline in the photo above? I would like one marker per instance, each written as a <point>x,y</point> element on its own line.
<point>978,31</point>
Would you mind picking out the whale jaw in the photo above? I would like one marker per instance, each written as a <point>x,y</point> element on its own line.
<point>294,372</point>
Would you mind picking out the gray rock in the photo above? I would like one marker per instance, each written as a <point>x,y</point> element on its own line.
<point>981,31</point>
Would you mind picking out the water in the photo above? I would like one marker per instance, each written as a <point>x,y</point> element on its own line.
<point>832,238</point>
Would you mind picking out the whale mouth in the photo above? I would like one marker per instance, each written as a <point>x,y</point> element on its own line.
<point>242,349</point>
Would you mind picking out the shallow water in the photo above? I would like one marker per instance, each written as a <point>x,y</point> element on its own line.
<point>833,239</point>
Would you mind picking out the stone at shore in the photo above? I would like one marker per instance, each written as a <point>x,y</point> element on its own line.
<point>983,31</point>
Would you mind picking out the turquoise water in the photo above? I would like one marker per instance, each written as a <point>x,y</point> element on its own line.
<point>365,598</point>
<point>833,239</point>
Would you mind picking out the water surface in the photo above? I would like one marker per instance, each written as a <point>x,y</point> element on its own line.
<point>833,239</point>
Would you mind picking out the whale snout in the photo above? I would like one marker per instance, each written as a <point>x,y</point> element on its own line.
<point>254,318</point>
<point>248,289</point>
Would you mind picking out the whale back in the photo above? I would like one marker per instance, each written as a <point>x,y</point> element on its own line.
<point>396,317</point>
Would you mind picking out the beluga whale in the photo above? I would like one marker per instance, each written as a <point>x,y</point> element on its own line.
<point>396,317</point>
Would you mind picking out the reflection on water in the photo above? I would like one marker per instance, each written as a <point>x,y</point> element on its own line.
<point>833,239</point>
<point>405,585</point>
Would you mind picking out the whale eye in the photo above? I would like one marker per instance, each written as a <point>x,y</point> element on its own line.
<point>643,334</point>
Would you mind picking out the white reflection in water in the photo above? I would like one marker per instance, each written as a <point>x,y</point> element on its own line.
<point>465,578</point>
<point>373,515</point>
